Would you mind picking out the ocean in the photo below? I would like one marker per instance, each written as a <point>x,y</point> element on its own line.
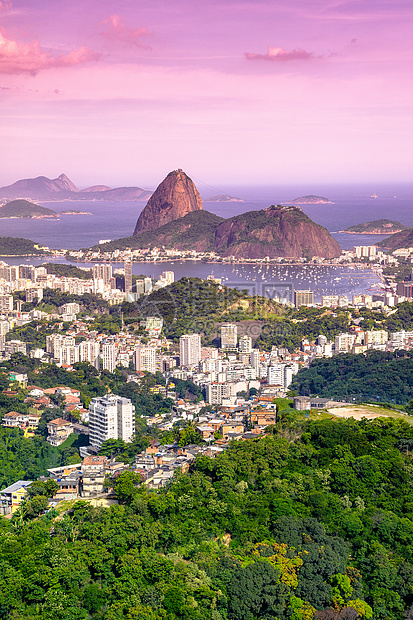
<point>112,220</point>
<point>353,204</point>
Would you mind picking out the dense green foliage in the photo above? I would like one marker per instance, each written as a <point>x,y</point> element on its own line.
<point>318,526</point>
<point>26,209</point>
<point>303,323</point>
<point>68,271</point>
<point>24,458</point>
<point>194,305</point>
<point>17,246</point>
<point>53,299</point>
<point>33,333</point>
<point>376,376</point>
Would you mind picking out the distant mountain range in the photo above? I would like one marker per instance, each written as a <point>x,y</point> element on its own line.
<point>62,188</point>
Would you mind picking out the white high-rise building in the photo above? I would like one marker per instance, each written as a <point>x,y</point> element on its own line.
<point>111,417</point>
<point>344,342</point>
<point>89,352</point>
<point>229,336</point>
<point>167,277</point>
<point>68,355</point>
<point>145,358</point>
<point>255,358</point>
<point>128,277</point>
<point>190,349</point>
<point>275,374</point>
<point>55,342</point>
<point>102,272</point>
<point>108,357</point>
<point>6,304</point>
<point>245,344</point>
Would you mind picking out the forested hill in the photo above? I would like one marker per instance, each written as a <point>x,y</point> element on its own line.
<point>26,209</point>
<point>313,522</point>
<point>379,376</point>
<point>193,305</point>
<point>17,246</point>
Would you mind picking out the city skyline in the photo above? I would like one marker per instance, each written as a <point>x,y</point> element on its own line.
<point>232,92</point>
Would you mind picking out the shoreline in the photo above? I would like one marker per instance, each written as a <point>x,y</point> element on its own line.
<point>369,232</point>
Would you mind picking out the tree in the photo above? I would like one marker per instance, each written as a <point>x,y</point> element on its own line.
<point>34,506</point>
<point>255,592</point>
<point>125,486</point>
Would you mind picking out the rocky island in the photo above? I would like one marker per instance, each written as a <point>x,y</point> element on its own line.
<point>27,210</point>
<point>375,227</point>
<point>224,198</point>
<point>74,212</point>
<point>311,200</point>
<point>174,218</point>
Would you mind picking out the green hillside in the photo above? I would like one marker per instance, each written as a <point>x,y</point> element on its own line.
<point>16,246</point>
<point>185,233</point>
<point>399,240</point>
<point>25,209</point>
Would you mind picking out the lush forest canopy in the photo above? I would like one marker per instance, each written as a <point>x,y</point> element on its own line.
<point>195,305</point>
<point>312,521</point>
<point>376,376</point>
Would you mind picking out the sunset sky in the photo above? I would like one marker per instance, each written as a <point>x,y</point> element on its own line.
<point>242,92</point>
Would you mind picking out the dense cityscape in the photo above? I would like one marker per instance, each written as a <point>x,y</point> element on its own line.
<point>206,310</point>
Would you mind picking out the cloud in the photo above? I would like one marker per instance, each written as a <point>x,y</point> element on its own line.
<point>5,5</point>
<point>16,57</point>
<point>279,54</point>
<point>118,31</point>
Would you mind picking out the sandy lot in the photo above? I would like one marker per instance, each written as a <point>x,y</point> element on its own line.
<point>356,412</point>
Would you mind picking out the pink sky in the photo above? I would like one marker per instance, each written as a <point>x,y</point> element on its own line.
<point>233,92</point>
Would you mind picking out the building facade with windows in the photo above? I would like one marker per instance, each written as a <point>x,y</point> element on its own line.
<point>111,417</point>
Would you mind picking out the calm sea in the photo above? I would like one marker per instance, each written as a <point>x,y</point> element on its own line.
<point>352,205</point>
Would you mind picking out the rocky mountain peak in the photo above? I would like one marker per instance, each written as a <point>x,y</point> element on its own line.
<point>66,184</point>
<point>174,198</point>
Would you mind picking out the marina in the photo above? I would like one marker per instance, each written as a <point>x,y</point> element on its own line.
<point>267,280</point>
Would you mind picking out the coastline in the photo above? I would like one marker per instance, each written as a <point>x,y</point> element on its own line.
<point>369,232</point>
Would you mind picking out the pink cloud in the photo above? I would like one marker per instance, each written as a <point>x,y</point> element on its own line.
<point>118,31</point>
<point>280,54</point>
<point>16,57</point>
<point>5,5</point>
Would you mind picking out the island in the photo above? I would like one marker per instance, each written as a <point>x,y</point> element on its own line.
<point>16,246</point>
<point>224,198</point>
<point>375,227</point>
<point>74,212</point>
<point>311,200</point>
<point>27,210</point>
